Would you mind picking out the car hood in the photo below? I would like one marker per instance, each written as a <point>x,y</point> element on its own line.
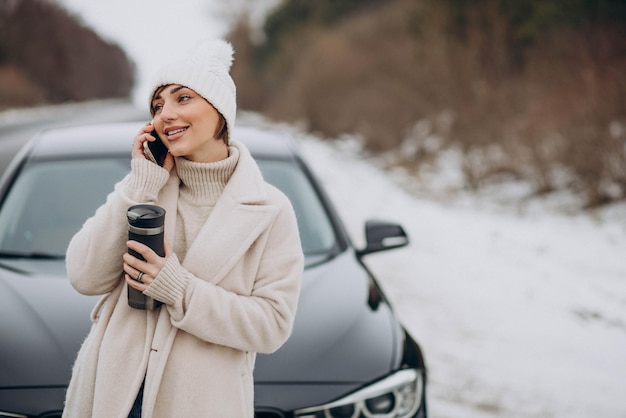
<point>340,316</point>
<point>344,331</point>
<point>43,321</point>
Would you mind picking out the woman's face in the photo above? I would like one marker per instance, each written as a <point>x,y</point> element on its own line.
<point>187,124</point>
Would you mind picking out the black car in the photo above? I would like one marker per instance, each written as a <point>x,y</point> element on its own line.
<point>348,355</point>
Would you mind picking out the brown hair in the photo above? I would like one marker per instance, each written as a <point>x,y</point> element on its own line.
<point>222,130</point>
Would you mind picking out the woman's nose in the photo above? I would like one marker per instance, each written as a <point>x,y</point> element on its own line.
<point>167,112</point>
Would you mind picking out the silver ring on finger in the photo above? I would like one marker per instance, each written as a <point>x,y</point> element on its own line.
<point>139,277</point>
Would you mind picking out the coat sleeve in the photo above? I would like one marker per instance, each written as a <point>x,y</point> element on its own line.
<point>258,322</point>
<point>94,255</point>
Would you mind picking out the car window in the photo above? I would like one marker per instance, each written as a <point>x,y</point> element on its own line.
<point>316,230</point>
<point>50,200</point>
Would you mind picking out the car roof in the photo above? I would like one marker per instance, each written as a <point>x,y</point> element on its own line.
<point>116,139</point>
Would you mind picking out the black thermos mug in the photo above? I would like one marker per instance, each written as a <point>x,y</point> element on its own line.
<point>145,225</point>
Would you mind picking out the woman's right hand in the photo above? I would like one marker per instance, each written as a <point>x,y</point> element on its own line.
<point>138,146</point>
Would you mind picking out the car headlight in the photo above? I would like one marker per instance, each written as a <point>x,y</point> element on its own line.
<point>396,396</point>
<point>11,415</point>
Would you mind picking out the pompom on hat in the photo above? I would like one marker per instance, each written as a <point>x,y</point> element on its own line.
<point>204,69</point>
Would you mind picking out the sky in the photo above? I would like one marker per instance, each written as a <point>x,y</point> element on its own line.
<point>152,30</point>
<point>521,311</point>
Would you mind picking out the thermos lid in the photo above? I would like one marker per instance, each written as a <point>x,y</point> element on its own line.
<point>145,216</point>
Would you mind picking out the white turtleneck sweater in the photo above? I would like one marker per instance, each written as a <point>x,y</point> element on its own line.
<point>201,186</point>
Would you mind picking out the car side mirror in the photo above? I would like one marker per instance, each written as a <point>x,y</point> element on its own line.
<point>383,236</point>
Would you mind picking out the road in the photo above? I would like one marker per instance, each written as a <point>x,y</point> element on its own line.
<point>18,126</point>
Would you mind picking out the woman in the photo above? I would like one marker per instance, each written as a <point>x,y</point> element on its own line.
<point>229,280</point>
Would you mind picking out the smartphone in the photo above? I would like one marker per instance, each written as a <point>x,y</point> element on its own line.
<point>157,150</point>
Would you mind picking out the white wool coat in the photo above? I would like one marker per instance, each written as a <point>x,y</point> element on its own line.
<point>237,297</point>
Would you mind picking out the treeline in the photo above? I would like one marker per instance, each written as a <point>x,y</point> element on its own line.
<point>530,90</point>
<point>47,56</point>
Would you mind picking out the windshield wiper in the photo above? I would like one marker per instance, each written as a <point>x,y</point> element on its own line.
<point>33,255</point>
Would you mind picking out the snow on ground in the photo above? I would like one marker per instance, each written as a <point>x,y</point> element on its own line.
<point>519,315</point>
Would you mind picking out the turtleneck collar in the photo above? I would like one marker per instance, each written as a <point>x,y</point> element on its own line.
<point>203,183</point>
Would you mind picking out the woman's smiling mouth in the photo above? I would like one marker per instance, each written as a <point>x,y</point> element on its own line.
<point>174,133</point>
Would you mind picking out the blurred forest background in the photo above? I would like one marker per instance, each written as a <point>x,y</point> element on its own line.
<point>532,91</point>
<point>47,56</point>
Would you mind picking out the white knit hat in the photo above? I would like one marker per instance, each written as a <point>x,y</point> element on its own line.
<point>204,69</point>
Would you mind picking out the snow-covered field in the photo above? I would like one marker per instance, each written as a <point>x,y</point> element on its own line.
<point>519,314</point>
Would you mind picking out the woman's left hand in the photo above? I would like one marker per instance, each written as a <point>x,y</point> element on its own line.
<point>139,273</point>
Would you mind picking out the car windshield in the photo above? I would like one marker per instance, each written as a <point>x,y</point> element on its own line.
<point>50,200</point>
<point>316,230</point>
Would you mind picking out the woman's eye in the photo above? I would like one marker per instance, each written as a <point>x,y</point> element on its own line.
<point>156,108</point>
<point>184,98</point>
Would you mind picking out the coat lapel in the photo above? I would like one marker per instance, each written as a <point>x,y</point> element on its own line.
<point>238,218</point>
<point>168,199</point>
